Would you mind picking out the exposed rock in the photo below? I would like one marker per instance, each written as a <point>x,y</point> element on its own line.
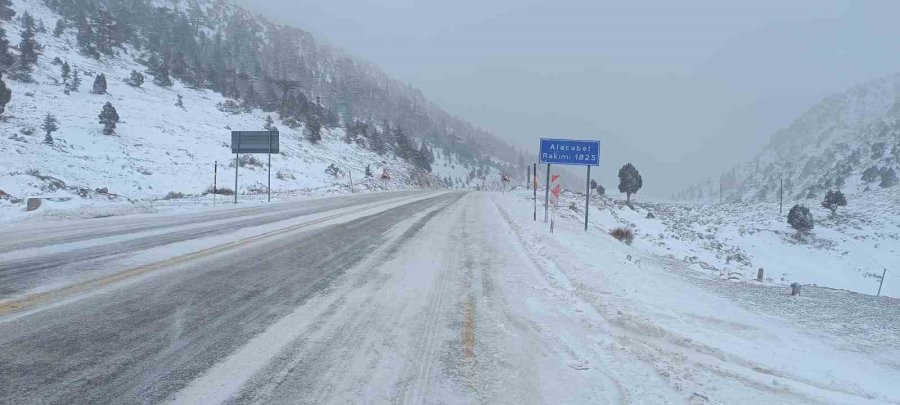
<point>33,204</point>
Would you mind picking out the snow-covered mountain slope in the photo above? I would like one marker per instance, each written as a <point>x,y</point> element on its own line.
<point>831,146</point>
<point>734,240</point>
<point>160,148</point>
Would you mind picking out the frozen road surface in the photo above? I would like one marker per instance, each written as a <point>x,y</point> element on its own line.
<point>414,297</point>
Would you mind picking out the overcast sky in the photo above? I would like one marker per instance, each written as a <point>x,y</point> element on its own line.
<point>684,90</point>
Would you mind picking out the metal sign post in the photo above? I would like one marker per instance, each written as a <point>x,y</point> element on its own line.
<point>781,197</point>
<point>528,174</point>
<point>570,152</point>
<point>547,195</point>
<point>534,184</point>
<point>350,172</point>
<point>883,273</point>
<point>587,198</point>
<point>269,185</point>
<point>215,173</point>
<point>237,163</point>
<point>554,195</point>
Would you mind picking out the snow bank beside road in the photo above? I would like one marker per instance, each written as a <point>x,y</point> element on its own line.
<point>707,339</point>
<point>735,240</point>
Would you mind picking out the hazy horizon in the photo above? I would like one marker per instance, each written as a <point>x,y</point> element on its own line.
<point>682,91</point>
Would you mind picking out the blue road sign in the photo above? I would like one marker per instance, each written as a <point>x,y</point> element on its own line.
<point>570,152</point>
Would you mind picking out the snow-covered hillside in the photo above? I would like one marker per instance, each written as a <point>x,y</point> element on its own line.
<point>829,147</point>
<point>734,240</point>
<point>159,148</point>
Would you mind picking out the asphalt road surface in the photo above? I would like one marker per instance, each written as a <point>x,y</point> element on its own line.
<point>370,298</point>
<point>401,298</point>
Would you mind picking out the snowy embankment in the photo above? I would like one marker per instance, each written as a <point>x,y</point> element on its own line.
<point>712,339</point>
<point>732,241</point>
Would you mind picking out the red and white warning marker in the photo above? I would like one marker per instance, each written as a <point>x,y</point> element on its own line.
<point>554,189</point>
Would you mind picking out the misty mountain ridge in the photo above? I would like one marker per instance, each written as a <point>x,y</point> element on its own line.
<point>180,76</point>
<point>848,141</point>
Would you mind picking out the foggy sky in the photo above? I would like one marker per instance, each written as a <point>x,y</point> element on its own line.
<point>684,90</point>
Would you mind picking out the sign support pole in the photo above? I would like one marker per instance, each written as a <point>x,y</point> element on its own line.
<point>237,163</point>
<point>215,174</point>
<point>587,198</point>
<point>781,198</point>
<point>533,182</point>
<point>547,195</point>
<point>269,186</point>
<point>883,273</point>
<point>350,172</point>
<point>553,217</point>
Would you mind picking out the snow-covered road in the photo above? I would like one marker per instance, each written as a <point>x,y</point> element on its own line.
<point>421,298</point>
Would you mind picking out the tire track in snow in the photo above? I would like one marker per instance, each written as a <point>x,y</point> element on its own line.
<point>426,346</point>
<point>318,362</point>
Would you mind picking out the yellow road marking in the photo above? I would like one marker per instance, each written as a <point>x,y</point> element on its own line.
<point>469,331</point>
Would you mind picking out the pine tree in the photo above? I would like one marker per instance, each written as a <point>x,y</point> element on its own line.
<point>105,36</point>
<point>423,158</point>
<point>76,80</point>
<point>833,200</point>
<point>313,129</point>
<point>99,84</point>
<point>160,71</point>
<point>179,102</point>
<point>403,144</point>
<point>368,171</point>
<point>870,174</point>
<point>6,11</point>
<point>136,79</point>
<point>65,73</point>
<point>249,97</point>
<point>5,94</point>
<point>800,219</point>
<point>6,58</point>
<point>378,145</point>
<point>28,47</point>
<point>86,38</point>
<point>593,184</point>
<point>50,125</point>
<point>888,178</point>
<point>269,124</point>
<point>109,117</point>
<point>630,181</point>
<point>60,27</point>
